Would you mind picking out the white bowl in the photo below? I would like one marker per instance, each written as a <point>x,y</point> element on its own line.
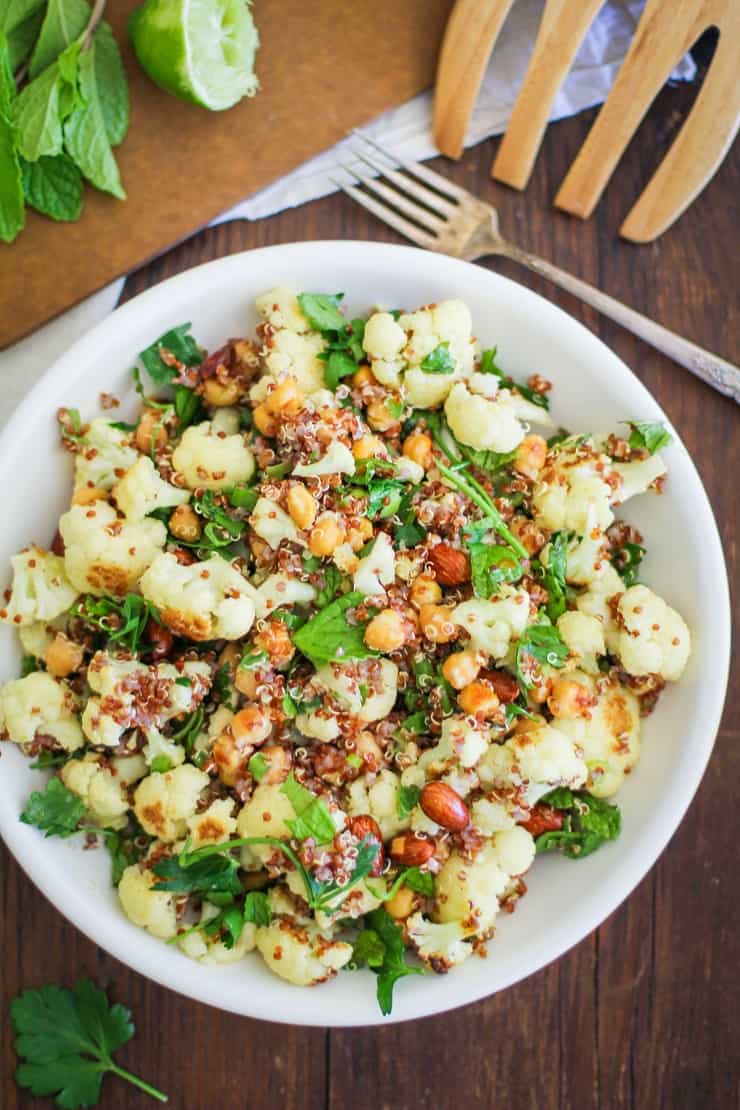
<point>593,390</point>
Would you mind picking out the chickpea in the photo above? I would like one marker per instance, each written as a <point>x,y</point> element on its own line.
<point>326,535</point>
<point>274,638</point>
<point>264,421</point>
<point>530,456</point>
<point>230,757</point>
<point>461,668</point>
<point>386,631</point>
<point>418,448</point>
<point>425,591</point>
<point>436,624</point>
<point>185,524</point>
<point>286,397</point>
<point>364,376</point>
<point>250,725</point>
<point>569,698</point>
<point>279,762</point>
<point>401,905</point>
<point>63,656</point>
<point>301,506</point>
<point>149,429</point>
<point>220,394</point>
<point>360,533</point>
<point>378,416</point>
<point>86,495</point>
<point>369,751</point>
<point>479,699</point>
<point>245,681</point>
<point>367,447</point>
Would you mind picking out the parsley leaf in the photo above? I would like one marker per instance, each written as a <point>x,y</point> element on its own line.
<point>220,529</point>
<point>257,908</point>
<point>543,643</point>
<point>339,365</point>
<point>66,1040</point>
<point>212,874</point>
<point>312,817</point>
<point>491,565</point>
<point>409,532</point>
<point>123,850</point>
<point>333,579</point>
<point>384,498</point>
<point>553,575</point>
<point>122,622</point>
<point>321,310</point>
<point>178,342</point>
<point>407,798</point>
<point>393,966</point>
<point>439,361</point>
<point>646,436</point>
<point>627,561</point>
<point>589,823</point>
<point>55,810</point>
<point>329,636</point>
<point>420,881</point>
<point>188,406</point>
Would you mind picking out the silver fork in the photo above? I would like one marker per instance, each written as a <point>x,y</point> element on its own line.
<point>446,218</point>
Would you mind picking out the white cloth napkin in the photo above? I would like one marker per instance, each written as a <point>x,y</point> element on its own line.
<point>406,130</point>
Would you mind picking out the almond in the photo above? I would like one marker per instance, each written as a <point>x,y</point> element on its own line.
<point>366,827</point>
<point>444,806</point>
<point>410,851</point>
<point>542,818</point>
<point>505,685</point>
<point>451,566</point>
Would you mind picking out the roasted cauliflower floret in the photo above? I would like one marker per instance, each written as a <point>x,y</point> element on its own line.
<point>441,946</point>
<point>153,910</point>
<point>105,455</point>
<point>376,570</point>
<point>538,754</point>
<point>300,954</point>
<point>583,635</point>
<point>209,459</point>
<point>481,423</point>
<point>40,590</point>
<point>265,814</point>
<point>468,892</point>
<point>652,638</point>
<point>141,491</point>
<point>637,477</point>
<point>365,689</point>
<point>203,601</point>
<point>296,355</point>
<point>273,524</point>
<point>609,737</point>
<point>164,802</point>
<point>278,590</point>
<point>103,786</point>
<point>279,307</point>
<point>575,489</point>
<point>39,705</point>
<point>105,555</point>
<point>214,824</point>
<point>493,624</point>
<point>133,695</point>
<point>379,799</point>
<point>337,459</point>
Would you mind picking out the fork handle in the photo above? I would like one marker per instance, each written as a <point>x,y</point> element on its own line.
<point>718,373</point>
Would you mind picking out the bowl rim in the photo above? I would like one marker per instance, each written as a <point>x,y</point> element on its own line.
<point>555,941</point>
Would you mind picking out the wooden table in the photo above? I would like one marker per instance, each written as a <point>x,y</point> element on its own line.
<point>642,1014</point>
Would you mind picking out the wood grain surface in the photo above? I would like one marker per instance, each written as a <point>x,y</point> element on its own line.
<point>642,1015</point>
<point>324,67</point>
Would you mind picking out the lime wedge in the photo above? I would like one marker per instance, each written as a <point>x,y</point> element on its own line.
<point>200,50</point>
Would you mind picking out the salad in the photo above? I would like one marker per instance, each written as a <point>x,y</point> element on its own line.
<point>335,637</point>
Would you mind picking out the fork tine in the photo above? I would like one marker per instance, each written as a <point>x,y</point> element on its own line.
<point>402,181</point>
<point>422,173</point>
<point>403,227</point>
<point>398,200</point>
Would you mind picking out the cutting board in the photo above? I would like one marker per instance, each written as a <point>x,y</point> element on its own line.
<point>324,66</point>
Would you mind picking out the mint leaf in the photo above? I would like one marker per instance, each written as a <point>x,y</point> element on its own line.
<point>543,643</point>
<point>55,810</point>
<point>339,365</point>
<point>85,136</point>
<point>112,87</point>
<point>439,361</point>
<point>329,636</point>
<point>178,342</point>
<point>53,186</point>
<point>368,950</point>
<point>492,564</point>
<point>321,311</point>
<point>312,817</point>
<point>64,22</point>
<point>647,436</point>
<point>590,822</point>
<point>12,212</point>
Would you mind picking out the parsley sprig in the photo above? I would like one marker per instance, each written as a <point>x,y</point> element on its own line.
<point>123,622</point>
<point>588,823</point>
<point>66,1040</point>
<point>380,947</point>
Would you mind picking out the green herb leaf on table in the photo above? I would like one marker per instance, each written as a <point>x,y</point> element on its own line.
<point>543,643</point>
<point>65,1040</point>
<point>312,818</point>
<point>64,22</point>
<point>390,964</point>
<point>647,436</point>
<point>85,136</point>
<point>53,186</point>
<point>439,361</point>
<point>22,37</point>
<point>55,810</point>
<point>329,636</point>
<point>38,119</point>
<point>15,12</point>
<point>321,310</point>
<point>12,213</point>
<point>589,823</point>
<point>112,88</point>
